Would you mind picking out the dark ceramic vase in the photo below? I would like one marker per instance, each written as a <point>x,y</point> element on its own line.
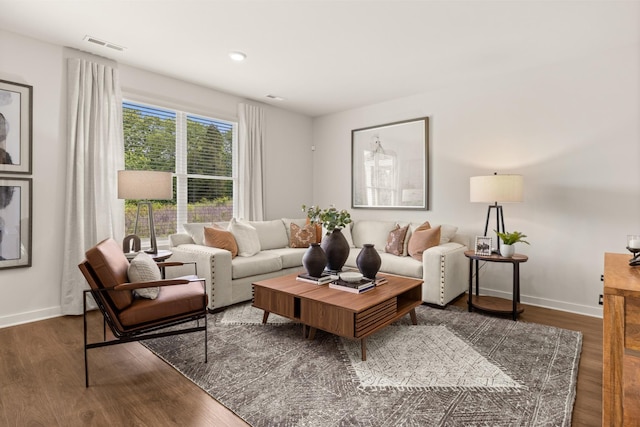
<point>368,261</point>
<point>336,248</point>
<point>314,260</point>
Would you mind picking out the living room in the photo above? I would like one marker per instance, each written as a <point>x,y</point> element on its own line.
<point>567,122</point>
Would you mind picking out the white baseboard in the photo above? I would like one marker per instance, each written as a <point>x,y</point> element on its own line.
<point>30,316</point>
<point>548,303</point>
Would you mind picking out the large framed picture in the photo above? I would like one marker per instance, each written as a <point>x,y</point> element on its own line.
<point>390,165</point>
<point>16,106</point>
<point>483,245</point>
<point>15,222</point>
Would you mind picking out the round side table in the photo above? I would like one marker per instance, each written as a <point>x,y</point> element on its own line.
<point>494,304</point>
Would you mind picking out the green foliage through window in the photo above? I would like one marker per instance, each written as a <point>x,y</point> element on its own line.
<point>197,150</point>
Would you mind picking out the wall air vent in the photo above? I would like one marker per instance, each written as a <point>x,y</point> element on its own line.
<point>104,43</point>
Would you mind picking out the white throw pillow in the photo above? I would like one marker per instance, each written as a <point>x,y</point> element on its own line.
<point>144,269</point>
<point>246,237</point>
<point>271,234</point>
<point>196,231</point>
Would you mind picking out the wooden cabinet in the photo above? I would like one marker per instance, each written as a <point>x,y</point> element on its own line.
<point>621,342</point>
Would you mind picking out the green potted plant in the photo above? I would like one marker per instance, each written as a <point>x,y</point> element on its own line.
<point>508,240</point>
<point>330,218</point>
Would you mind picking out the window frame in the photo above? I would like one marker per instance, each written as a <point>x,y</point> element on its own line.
<point>180,172</point>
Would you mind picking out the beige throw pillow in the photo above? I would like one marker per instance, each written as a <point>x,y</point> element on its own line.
<point>395,241</point>
<point>216,237</point>
<point>302,237</point>
<point>246,237</point>
<point>144,269</point>
<point>423,238</point>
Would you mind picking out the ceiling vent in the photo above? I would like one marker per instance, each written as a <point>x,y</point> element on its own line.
<point>104,43</point>
<point>275,97</point>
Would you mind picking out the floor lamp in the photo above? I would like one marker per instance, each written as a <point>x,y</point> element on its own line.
<point>145,186</point>
<point>495,189</point>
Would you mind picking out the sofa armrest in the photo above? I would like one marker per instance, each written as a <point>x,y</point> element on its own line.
<point>212,264</point>
<point>445,273</point>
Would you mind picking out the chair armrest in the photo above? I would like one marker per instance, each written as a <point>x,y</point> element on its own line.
<point>150,284</point>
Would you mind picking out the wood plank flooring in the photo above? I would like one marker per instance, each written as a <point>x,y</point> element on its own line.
<point>42,378</point>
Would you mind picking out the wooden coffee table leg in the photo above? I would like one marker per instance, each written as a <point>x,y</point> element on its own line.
<point>265,316</point>
<point>414,318</point>
<point>363,349</point>
<point>312,333</point>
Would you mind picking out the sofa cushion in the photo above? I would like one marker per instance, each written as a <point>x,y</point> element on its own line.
<point>215,237</point>
<point>272,234</point>
<point>395,241</point>
<point>246,237</point>
<point>403,266</point>
<point>447,232</point>
<point>423,238</point>
<point>375,232</point>
<point>144,269</point>
<point>260,263</point>
<point>196,231</point>
<point>302,237</point>
<point>291,257</point>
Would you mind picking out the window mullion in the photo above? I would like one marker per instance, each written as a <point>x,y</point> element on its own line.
<point>181,168</point>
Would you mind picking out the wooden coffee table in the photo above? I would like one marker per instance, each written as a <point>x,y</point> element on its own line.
<point>341,313</point>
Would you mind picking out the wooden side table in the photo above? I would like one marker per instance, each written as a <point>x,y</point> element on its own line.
<point>495,304</point>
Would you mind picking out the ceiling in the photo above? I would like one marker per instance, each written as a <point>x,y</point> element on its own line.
<point>328,56</point>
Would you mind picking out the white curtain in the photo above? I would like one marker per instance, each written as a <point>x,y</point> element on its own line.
<point>251,138</point>
<point>95,152</point>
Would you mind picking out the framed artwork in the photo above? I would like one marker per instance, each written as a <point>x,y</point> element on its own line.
<point>15,222</point>
<point>483,245</point>
<point>390,166</point>
<point>16,107</point>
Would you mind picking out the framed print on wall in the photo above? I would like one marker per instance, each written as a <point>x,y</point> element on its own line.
<point>390,165</point>
<point>16,107</point>
<point>15,222</point>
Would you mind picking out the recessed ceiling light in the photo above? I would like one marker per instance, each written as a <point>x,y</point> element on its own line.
<point>237,56</point>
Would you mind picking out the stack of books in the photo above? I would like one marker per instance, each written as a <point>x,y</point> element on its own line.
<point>322,280</point>
<point>363,285</point>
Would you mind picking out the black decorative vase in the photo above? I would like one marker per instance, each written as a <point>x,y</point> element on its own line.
<point>336,248</point>
<point>368,261</point>
<point>314,260</point>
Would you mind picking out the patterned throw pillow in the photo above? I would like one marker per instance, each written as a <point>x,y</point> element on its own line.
<point>395,241</point>
<point>216,237</point>
<point>144,269</point>
<point>423,238</point>
<point>302,237</point>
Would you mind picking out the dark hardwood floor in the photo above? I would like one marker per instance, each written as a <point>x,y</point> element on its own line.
<point>42,378</point>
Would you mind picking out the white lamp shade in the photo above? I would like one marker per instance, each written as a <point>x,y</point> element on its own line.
<point>145,185</point>
<point>496,188</point>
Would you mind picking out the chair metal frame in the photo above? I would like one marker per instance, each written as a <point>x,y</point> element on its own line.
<point>139,332</point>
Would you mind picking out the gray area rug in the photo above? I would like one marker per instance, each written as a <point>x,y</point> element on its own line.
<point>453,369</point>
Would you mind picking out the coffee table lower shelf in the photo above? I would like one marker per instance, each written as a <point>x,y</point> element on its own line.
<point>495,305</point>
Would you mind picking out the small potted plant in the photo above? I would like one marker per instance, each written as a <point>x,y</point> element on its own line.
<point>508,240</point>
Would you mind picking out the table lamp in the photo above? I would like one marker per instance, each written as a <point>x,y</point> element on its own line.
<point>495,189</point>
<point>145,186</point>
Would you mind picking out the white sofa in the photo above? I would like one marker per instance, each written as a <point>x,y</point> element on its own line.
<point>444,268</point>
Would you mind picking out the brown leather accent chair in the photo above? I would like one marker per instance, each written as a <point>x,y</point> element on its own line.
<point>131,318</point>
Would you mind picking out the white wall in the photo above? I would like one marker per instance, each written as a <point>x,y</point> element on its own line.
<point>571,128</point>
<point>33,293</point>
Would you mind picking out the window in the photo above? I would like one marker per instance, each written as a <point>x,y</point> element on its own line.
<point>199,151</point>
